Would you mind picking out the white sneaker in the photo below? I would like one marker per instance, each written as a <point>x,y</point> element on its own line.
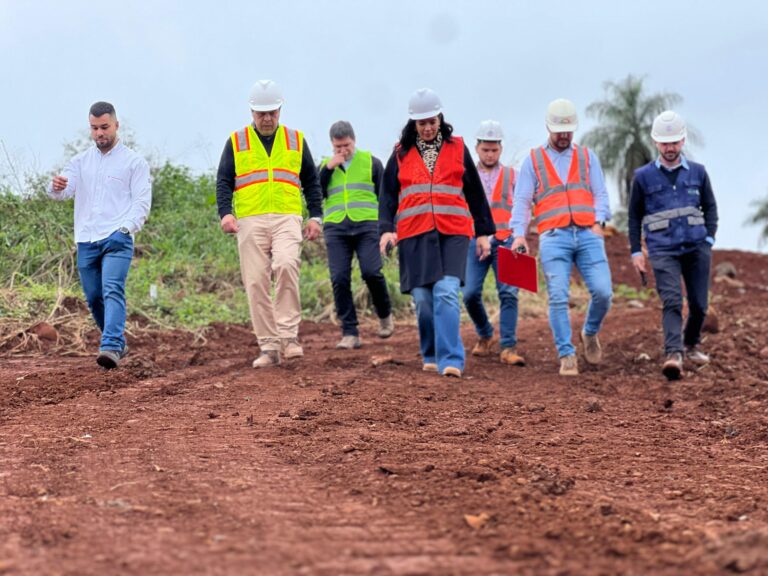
<point>695,356</point>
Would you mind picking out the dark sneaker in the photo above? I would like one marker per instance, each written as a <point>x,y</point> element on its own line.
<point>593,352</point>
<point>695,356</point>
<point>673,366</point>
<point>108,359</point>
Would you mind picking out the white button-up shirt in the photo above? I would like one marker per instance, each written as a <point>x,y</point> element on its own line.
<point>111,191</point>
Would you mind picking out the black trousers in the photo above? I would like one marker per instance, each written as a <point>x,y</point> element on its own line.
<point>342,243</point>
<point>694,268</point>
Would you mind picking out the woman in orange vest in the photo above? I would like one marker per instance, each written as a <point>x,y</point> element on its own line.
<point>432,202</point>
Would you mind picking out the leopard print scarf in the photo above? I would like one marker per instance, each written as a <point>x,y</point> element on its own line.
<point>429,151</point>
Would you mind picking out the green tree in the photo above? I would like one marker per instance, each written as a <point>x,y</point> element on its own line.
<point>622,138</point>
<point>760,218</point>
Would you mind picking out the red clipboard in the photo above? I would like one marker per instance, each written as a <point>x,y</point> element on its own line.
<point>518,269</point>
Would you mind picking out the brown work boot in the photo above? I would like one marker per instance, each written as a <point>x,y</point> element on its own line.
<point>509,356</point>
<point>569,366</point>
<point>593,352</point>
<point>484,347</point>
<point>429,367</point>
<point>386,327</point>
<point>267,358</point>
<point>673,366</point>
<point>695,356</point>
<point>292,348</point>
<point>349,342</point>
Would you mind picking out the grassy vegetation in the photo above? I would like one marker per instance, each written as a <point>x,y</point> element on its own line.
<point>186,271</point>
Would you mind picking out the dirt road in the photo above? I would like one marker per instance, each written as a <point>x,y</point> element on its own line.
<point>187,461</point>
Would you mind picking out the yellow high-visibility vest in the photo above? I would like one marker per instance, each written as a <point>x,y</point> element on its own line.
<point>267,183</point>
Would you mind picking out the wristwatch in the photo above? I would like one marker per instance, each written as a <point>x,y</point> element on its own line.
<point>317,219</point>
<point>601,223</point>
<point>124,230</point>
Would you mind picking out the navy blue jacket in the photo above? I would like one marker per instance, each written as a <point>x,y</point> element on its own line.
<point>676,209</point>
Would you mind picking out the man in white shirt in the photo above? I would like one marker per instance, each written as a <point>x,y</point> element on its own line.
<point>113,193</point>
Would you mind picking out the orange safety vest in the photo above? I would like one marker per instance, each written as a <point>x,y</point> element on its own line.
<point>501,202</point>
<point>428,201</point>
<point>558,205</point>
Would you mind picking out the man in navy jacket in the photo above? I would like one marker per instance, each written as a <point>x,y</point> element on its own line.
<point>672,205</point>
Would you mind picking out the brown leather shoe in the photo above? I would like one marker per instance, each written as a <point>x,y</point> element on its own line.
<point>484,347</point>
<point>509,356</point>
<point>452,371</point>
<point>292,348</point>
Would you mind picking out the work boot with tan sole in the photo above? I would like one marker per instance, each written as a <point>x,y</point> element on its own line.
<point>484,347</point>
<point>593,352</point>
<point>509,356</point>
<point>292,348</point>
<point>267,358</point>
<point>386,327</point>
<point>569,366</point>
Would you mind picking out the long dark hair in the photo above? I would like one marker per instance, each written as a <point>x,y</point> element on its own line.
<point>409,134</point>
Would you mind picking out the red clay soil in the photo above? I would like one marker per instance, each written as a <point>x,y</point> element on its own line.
<point>187,461</point>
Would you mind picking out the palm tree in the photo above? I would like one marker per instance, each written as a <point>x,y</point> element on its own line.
<point>622,139</point>
<point>760,218</point>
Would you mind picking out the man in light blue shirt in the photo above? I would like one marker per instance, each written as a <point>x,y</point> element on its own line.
<point>566,186</point>
<point>113,193</point>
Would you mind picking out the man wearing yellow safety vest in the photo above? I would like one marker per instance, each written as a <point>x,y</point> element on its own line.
<point>263,171</point>
<point>350,181</point>
<point>566,186</point>
<point>498,182</point>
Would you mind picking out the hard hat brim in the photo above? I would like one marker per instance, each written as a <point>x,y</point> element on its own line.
<point>557,128</point>
<point>667,139</point>
<point>424,115</point>
<point>265,107</point>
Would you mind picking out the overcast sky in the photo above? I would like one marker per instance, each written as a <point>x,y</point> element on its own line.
<point>179,73</point>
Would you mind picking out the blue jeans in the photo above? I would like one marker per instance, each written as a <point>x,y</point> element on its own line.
<point>560,249</point>
<point>438,313</point>
<point>694,268</point>
<point>477,270</point>
<point>103,267</point>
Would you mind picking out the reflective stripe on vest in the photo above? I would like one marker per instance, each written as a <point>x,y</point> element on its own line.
<point>501,202</point>
<point>351,192</point>
<point>267,183</point>
<point>433,201</point>
<point>559,204</point>
<point>661,220</point>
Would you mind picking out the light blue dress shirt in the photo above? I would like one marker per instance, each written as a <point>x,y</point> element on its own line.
<point>528,185</point>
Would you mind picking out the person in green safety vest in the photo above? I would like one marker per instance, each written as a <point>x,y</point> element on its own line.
<point>350,181</point>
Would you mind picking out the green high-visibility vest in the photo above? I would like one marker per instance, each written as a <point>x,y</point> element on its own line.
<point>351,192</point>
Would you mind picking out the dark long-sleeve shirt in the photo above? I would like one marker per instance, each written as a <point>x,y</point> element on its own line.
<point>636,210</point>
<point>225,178</point>
<point>377,173</point>
<point>428,257</point>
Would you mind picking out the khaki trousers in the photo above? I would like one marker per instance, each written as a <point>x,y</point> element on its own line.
<point>270,250</point>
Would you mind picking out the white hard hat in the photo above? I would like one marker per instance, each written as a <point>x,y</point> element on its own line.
<point>265,96</point>
<point>424,104</point>
<point>490,131</point>
<point>561,116</point>
<point>668,126</point>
